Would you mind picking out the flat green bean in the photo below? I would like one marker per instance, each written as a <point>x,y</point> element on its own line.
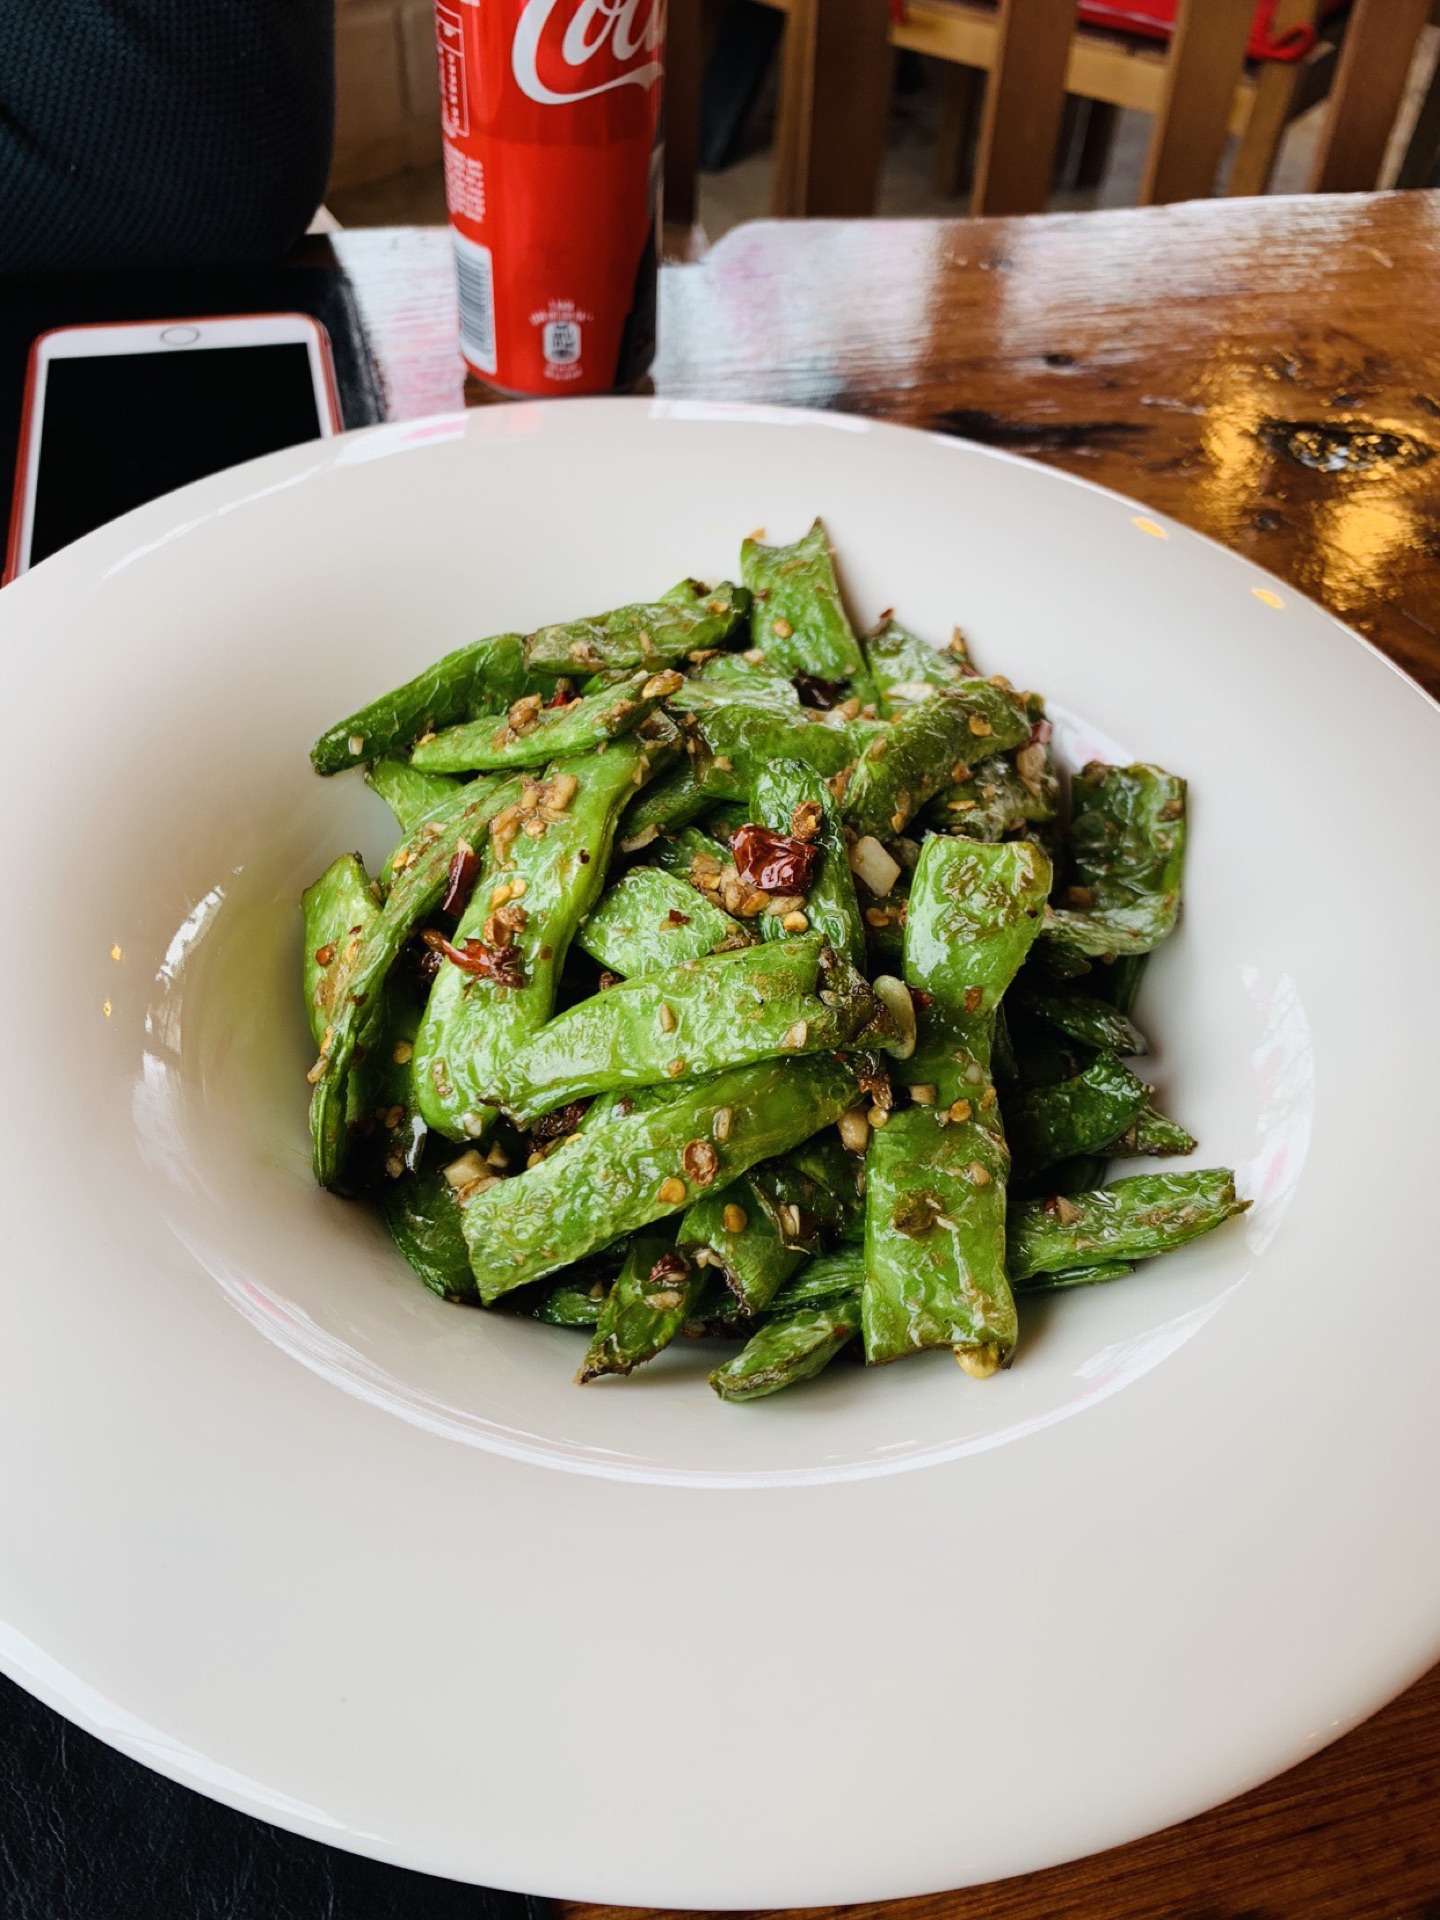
<point>422,1211</point>
<point>652,919</point>
<point>828,1276</point>
<point>617,1177</point>
<point>788,1350</point>
<point>1153,1132</point>
<point>799,619</point>
<point>531,734</point>
<point>645,1309</point>
<point>688,619</point>
<point>543,870</point>
<point>973,913</point>
<point>906,670</point>
<point>1127,859</point>
<point>419,887</point>
<point>488,673</point>
<point>935,1272</point>
<point>996,801</point>
<point>1080,1115</point>
<point>760,1228</point>
<point>1134,1219</point>
<point>572,1303</point>
<point>908,763</point>
<point>1072,1277</point>
<point>412,797</point>
<point>725,1010</point>
<point>667,806</point>
<point>746,718</point>
<point>1081,1016</point>
<point>338,909</point>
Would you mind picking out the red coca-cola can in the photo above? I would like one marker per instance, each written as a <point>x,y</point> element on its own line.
<point>550,111</point>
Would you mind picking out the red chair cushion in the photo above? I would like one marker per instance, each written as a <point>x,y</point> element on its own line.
<point>1155,20</point>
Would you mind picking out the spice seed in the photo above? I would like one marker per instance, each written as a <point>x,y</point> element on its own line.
<point>700,1161</point>
<point>466,1170</point>
<point>671,1192</point>
<point>735,1218</point>
<point>978,1362</point>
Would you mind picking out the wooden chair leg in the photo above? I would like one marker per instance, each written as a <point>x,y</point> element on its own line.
<point>834,99</point>
<point>962,90</point>
<point>1207,57</point>
<point>1095,146</point>
<point>1421,164</point>
<point>1024,103</point>
<point>683,64</point>
<point>792,111</point>
<point>1270,111</point>
<point>1375,58</point>
<point>1272,105</point>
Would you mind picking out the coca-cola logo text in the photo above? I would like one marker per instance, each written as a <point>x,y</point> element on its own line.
<point>619,39</point>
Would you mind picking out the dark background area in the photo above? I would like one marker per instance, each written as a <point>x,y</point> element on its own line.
<point>86,1834</point>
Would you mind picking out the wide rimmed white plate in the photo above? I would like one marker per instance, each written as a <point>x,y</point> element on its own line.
<point>287,1528</point>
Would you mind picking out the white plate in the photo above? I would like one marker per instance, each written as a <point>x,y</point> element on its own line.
<point>289,1529</point>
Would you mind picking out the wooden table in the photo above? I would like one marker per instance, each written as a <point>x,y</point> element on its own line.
<point>1265,370</point>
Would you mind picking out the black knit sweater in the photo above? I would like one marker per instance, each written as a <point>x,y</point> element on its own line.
<point>161,133</point>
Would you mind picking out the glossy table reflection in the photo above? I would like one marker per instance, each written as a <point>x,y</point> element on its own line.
<point>1267,371</point>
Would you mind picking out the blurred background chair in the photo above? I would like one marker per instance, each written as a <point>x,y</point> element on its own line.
<point>1021,67</point>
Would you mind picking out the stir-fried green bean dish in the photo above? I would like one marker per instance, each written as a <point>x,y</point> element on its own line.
<point>739,976</point>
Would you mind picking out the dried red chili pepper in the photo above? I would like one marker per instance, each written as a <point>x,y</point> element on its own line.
<point>670,1266</point>
<point>420,962</point>
<point>563,696</point>
<point>460,879</point>
<point>503,965</point>
<point>823,695</point>
<point>551,1126</point>
<point>772,861</point>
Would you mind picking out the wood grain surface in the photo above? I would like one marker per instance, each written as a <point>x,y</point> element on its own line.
<point>1267,371</point>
